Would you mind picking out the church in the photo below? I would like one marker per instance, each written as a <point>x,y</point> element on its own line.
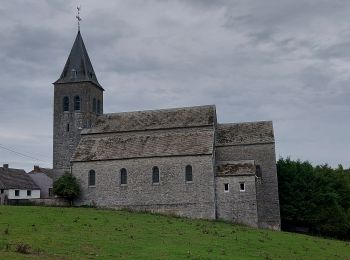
<point>177,161</point>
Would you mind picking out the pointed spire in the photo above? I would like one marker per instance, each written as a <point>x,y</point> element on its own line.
<point>78,67</point>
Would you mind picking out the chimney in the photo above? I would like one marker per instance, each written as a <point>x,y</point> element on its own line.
<point>36,168</point>
<point>5,166</point>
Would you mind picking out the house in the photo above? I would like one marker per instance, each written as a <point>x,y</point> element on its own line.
<point>15,184</point>
<point>43,177</point>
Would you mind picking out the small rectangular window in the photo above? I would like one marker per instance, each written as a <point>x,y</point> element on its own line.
<point>67,128</point>
<point>226,187</point>
<point>242,186</point>
<point>29,193</point>
<point>2,191</point>
<point>16,193</point>
<point>50,192</point>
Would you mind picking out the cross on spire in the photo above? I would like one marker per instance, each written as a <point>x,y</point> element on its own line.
<point>78,17</point>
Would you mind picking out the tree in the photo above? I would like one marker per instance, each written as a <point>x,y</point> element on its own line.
<point>67,186</point>
<point>316,197</point>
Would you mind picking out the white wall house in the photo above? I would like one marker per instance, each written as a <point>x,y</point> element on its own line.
<point>43,177</point>
<point>15,184</point>
<point>17,194</point>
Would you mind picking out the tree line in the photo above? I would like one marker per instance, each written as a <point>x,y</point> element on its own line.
<point>314,199</point>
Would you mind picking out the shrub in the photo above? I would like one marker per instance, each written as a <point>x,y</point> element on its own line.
<point>67,187</point>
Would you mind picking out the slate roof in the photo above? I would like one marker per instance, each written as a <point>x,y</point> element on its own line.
<point>16,179</point>
<point>47,171</point>
<point>235,168</point>
<point>79,61</point>
<point>145,144</point>
<point>155,119</point>
<point>245,133</point>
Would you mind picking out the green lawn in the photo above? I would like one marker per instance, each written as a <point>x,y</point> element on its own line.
<point>85,233</point>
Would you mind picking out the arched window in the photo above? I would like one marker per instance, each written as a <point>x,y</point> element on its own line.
<point>123,176</point>
<point>189,173</point>
<point>66,104</point>
<point>98,107</point>
<point>77,103</point>
<point>155,175</point>
<point>94,105</point>
<point>92,178</point>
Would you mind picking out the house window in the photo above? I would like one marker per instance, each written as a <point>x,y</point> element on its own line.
<point>92,178</point>
<point>188,176</point>
<point>29,193</point>
<point>67,128</point>
<point>2,191</point>
<point>50,192</point>
<point>16,193</point>
<point>77,102</point>
<point>94,105</point>
<point>155,175</point>
<point>226,187</point>
<point>123,176</point>
<point>98,107</point>
<point>242,186</point>
<point>66,104</point>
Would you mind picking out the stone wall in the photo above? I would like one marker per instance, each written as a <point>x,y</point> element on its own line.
<point>55,202</point>
<point>267,187</point>
<point>236,205</point>
<point>65,142</point>
<point>173,195</point>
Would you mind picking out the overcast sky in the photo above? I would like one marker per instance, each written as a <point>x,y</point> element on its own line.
<point>286,61</point>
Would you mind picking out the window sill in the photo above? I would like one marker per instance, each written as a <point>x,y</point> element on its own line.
<point>92,186</point>
<point>189,182</point>
<point>156,183</point>
<point>123,185</point>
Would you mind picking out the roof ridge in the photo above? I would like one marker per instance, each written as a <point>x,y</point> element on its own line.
<point>157,110</point>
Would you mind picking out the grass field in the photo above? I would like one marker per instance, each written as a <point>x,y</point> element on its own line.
<point>85,233</point>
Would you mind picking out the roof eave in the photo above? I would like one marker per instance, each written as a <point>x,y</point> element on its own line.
<point>70,82</point>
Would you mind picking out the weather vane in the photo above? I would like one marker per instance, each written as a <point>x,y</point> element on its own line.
<point>78,17</point>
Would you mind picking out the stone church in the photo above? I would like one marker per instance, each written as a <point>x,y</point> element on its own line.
<point>177,161</point>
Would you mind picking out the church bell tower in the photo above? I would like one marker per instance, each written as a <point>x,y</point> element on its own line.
<point>78,101</point>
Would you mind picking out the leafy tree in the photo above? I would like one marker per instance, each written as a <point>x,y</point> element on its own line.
<point>67,186</point>
<point>315,197</point>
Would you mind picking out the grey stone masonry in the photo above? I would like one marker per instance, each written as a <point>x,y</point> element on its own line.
<point>67,125</point>
<point>236,192</point>
<point>223,158</point>
<point>177,161</point>
<point>258,146</point>
<point>171,195</point>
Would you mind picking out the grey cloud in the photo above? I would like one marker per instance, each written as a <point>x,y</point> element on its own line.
<point>284,61</point>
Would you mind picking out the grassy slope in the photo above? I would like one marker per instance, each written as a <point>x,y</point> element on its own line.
<point>89,233</point>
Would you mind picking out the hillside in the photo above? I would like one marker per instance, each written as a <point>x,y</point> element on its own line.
<point>67,233</point>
